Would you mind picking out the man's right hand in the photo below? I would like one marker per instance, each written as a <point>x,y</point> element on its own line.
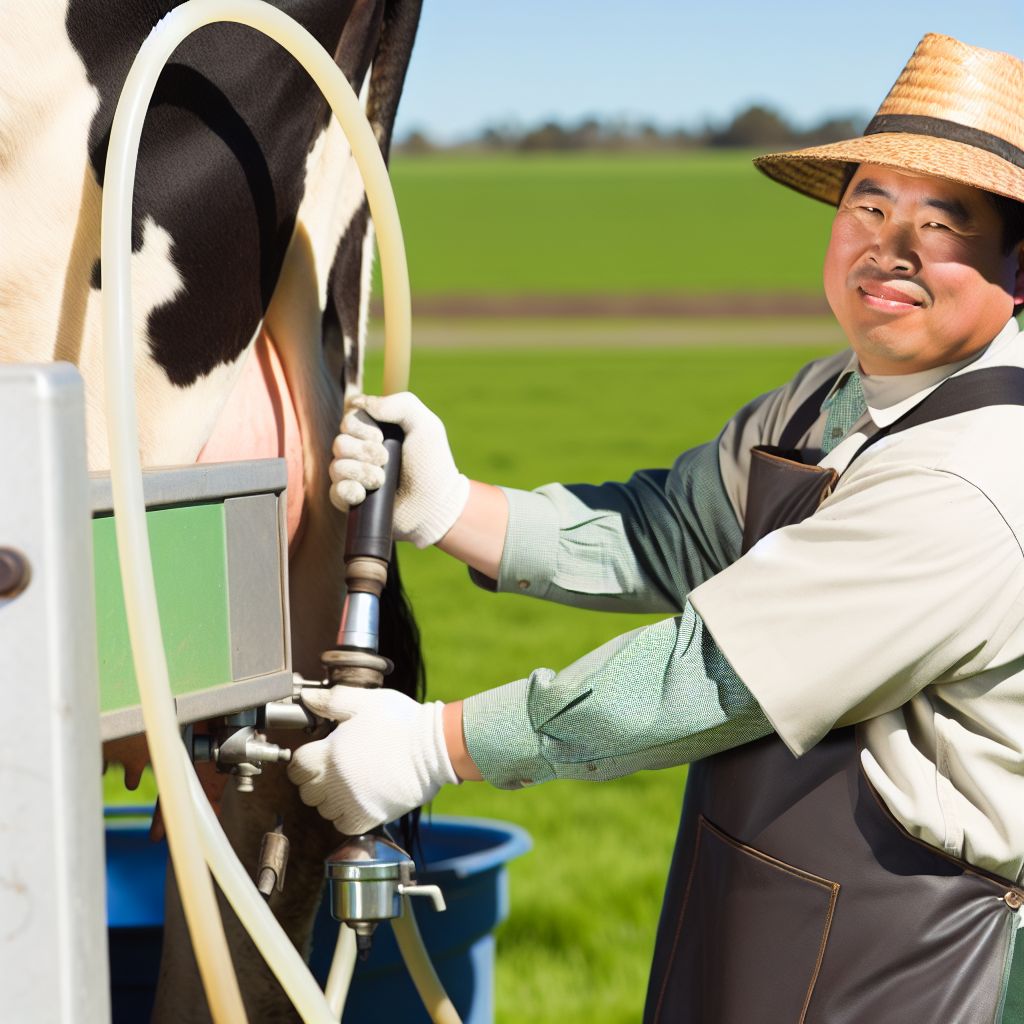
<point>388,756</point>
<point>432,493</point>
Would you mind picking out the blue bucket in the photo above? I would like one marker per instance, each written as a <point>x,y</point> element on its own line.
<point>466,857</point>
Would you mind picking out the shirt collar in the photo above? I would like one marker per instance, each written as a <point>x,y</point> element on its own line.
<point>889,397</point>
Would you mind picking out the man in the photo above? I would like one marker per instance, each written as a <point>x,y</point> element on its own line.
<point>846,565</point>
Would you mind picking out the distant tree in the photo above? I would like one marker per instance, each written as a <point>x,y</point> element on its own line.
<point>588,134</point>
<point>833,129</point>
<point>498,137</point>
<point>649,137</point>
<point>756,127</point>
<point>550,135</point>
<point>680,138</point>
<point>417,142</point>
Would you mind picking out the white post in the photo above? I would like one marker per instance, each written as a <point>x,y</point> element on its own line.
<point>53,944</point>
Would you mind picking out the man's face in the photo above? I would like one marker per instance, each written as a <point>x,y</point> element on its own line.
<point>916,273</point>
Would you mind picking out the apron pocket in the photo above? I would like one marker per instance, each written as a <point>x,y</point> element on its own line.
<point>750,939</point>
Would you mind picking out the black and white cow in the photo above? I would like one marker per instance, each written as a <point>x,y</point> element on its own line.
<point>251,261</point>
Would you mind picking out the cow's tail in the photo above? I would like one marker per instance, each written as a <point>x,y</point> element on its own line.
<point>400,641</point>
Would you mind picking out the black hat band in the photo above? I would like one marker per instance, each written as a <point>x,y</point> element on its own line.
<point>940,128</point>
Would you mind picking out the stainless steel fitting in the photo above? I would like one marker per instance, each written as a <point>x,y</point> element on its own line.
<point>237,747</point>
<point>360,621</point>
<point>368,876</point>
<point>272,862</point>
<point>288,714</point>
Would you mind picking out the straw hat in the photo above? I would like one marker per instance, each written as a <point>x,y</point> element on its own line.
<point>956,112</point>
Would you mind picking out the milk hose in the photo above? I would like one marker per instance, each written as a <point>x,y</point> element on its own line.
<point>256,916</point>
<point>417,962</point>
<point>343,964</point>
<point>188,820</point>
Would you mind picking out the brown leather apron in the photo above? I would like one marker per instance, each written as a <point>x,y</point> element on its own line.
<point>794,896</point>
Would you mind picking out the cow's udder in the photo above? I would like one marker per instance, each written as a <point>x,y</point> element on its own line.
<point>259,422</point>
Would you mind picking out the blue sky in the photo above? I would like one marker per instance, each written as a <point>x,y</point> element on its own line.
<point>674,62</point>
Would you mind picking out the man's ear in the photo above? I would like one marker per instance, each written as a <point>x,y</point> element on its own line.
<point>1018,284</point>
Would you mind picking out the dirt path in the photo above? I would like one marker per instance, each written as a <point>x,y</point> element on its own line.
<point>620,321</point>
<point>657,306</point>
<point>525,332</point>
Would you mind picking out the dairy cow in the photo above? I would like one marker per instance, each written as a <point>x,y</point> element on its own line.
<point>251,254</point>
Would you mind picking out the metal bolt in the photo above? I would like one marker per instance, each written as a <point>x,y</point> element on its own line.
<point>14,572</point>
<point>1013,900</point>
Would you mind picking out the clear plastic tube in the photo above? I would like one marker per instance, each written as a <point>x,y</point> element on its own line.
<point>182,825</point>
<point>257,918</point>
<point>343,963</point>
<point>417,962</point>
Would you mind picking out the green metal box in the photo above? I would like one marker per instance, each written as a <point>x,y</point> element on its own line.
<point>219,544</point>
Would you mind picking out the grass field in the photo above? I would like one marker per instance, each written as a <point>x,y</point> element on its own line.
<point>594,223</point>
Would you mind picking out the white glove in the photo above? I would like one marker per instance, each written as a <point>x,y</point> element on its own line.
<point>431,492</point>
<point>386,758</point>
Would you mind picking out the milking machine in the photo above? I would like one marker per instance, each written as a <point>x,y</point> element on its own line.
<point>201,555</point>
<point>370,876</point>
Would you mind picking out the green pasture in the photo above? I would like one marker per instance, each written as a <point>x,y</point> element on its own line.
<point>587,223</point>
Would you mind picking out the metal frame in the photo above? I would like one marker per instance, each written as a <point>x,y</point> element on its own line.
<point>207,481</point>
<point>53,949</point>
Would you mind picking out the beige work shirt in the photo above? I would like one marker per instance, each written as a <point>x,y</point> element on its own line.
<point>899,604</point>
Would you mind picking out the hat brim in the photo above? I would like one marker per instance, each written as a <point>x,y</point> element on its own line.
<point>819,172</point>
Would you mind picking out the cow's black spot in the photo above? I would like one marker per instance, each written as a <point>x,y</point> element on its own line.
<point>222,158</point>
<point>346,279</point>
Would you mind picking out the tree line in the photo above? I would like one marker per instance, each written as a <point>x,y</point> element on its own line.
<point>755,127</point>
